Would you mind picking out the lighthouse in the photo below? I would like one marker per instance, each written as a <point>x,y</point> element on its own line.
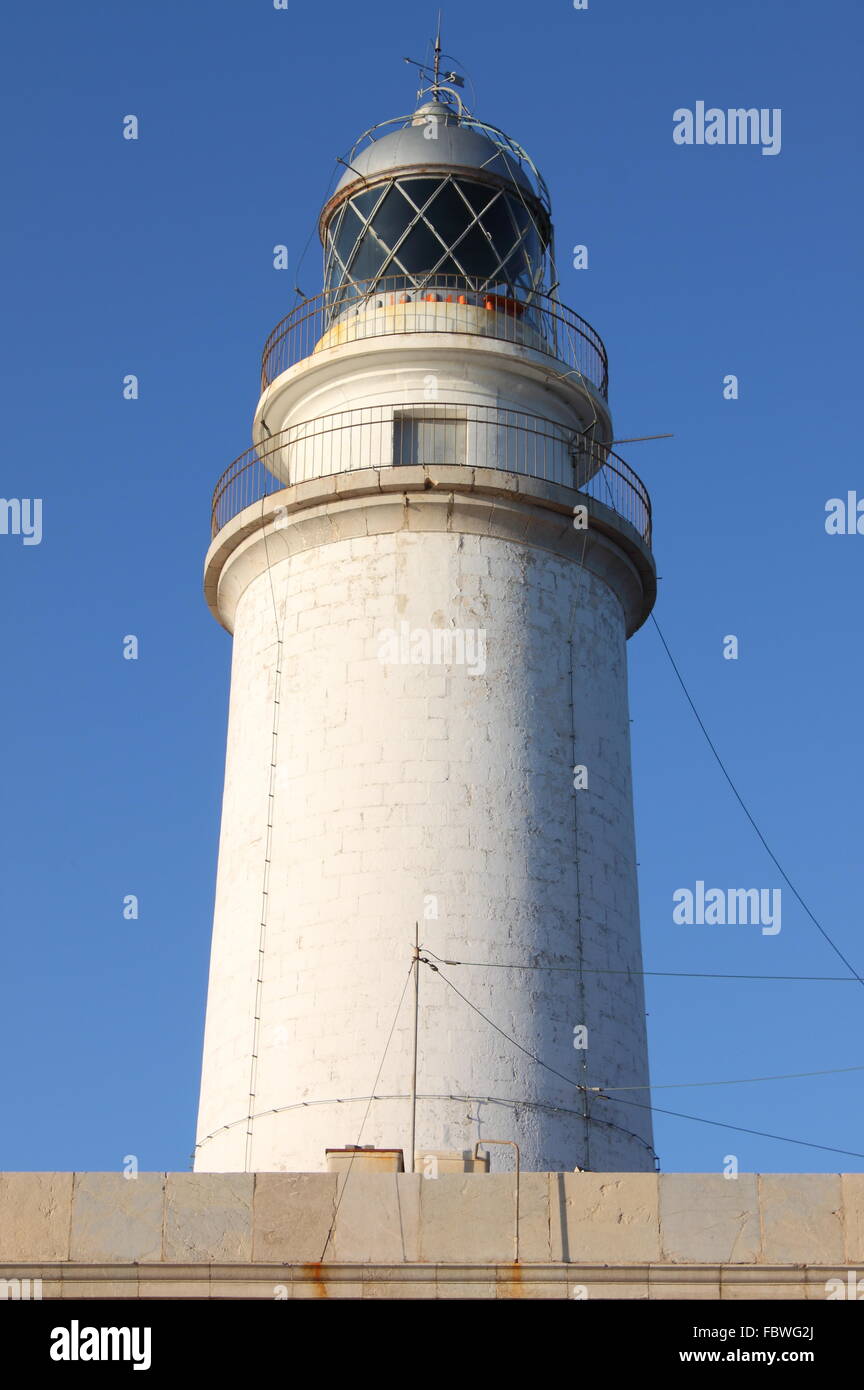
<point>426,936</point>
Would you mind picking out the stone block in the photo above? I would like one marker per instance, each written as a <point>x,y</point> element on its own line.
<point>454,1283</point>
<point>398,1287</point>
<point>355,482</point>
<point>526,1282</point>
<point>328,1281</point>
<point>306,494</point>
<point>802,1218</point>
<point>405,477</point>
<point>853,1212</point>
<point>99,1289</point>
<point>52,1289</point>
<point>408,1187</point>
<point>208,1216</point>
<point>427,512</point>
<point>468,1219</point>
<point>705,1217</point>
<point>175,1288</point>
<point>632,1288</point>
<point>115,1218</point>
<point>455,476</point>
<point>747,1283</point>
<point>375,1225</point>
<point>605,1218</point>
<point>535,1237</point>
<point>35,1212</point>
<point>667,1282</point>
<point>117,1280</point>
<point>292,1213</point>
<point>614,1281</point>
<point>238,1287</point>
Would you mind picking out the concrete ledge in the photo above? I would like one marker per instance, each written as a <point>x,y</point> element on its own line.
<point>382,1235</point>
<point>714,1282</point>
<point>477,501</point>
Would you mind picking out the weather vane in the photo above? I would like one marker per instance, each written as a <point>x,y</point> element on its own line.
<point>439,81</point>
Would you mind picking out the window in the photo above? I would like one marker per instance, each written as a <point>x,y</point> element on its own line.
<point>430,437</point>
<point>455,227</point>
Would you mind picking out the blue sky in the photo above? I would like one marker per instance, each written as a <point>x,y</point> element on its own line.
<point>154,257</point>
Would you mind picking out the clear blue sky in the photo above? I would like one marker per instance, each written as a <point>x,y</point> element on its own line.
<point>155,257</point>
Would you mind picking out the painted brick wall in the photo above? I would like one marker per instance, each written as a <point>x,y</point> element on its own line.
<point>405,791</point>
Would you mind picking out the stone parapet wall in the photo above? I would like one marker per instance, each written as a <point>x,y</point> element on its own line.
<point>288,1235</point>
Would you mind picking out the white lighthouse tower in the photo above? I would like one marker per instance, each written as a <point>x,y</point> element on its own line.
<point>430,562</point>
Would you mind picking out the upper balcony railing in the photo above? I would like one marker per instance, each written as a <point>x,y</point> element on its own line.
<point>435,436</point>
<point>438,303</point>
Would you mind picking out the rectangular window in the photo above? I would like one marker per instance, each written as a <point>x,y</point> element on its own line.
<point>425,438</point>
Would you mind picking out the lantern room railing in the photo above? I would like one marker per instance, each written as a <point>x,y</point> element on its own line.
<point>436,436</point>
<point>440,303</point>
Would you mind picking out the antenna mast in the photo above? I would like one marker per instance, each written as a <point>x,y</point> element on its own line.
<point>436,83</point>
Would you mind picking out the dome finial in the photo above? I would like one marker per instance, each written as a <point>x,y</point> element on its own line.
<point>438,83</point>
<point>437,68</point>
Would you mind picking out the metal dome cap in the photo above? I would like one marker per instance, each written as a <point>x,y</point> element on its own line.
<point>438,135</point>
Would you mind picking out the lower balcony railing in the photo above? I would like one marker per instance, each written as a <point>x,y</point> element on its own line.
<point>434,435</point>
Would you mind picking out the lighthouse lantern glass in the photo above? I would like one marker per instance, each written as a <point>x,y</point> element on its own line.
<point>421,232</point>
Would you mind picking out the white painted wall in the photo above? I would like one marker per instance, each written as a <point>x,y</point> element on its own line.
<point>430,370</point>
<point>397,782</point>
